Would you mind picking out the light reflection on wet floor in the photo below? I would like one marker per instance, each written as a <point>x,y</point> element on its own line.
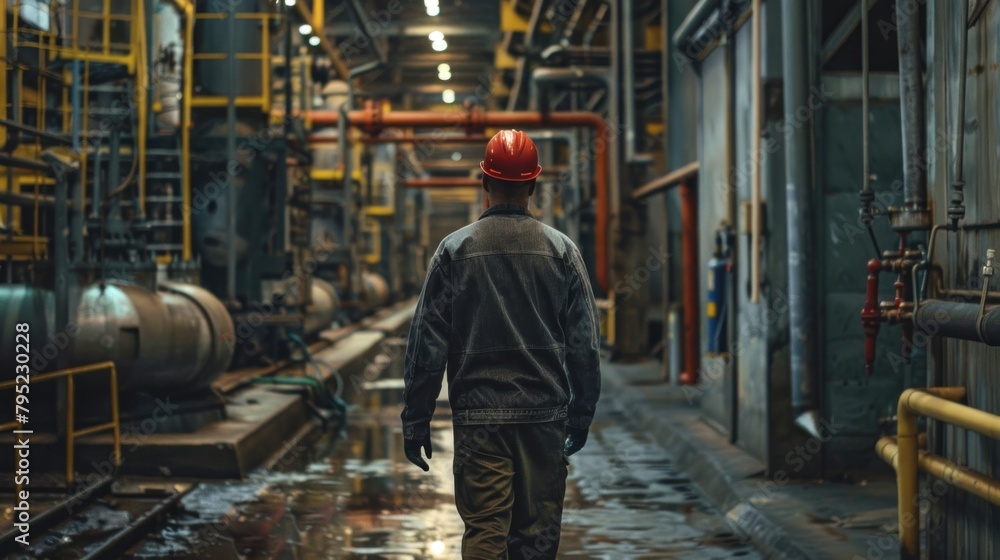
<point>359,499</point>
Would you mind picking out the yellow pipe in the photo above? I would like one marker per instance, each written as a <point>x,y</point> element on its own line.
<point>331,51</point>
<point>3,75</point>
<point>186,129</point>
<point>904,454</point>
<point>318,17</point>
<point>142,84</point>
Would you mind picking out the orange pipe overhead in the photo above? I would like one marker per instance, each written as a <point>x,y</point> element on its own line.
<point>474,121</point>
<point>445,182</point>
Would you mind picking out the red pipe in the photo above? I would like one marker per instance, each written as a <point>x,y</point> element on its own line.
<point>446,182</point>
<point>474,120</point>
<point>870,315</point>
<point>409,139</point>
<point>689,235</point>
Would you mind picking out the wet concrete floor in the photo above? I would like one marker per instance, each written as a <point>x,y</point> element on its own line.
<point>358,498</point>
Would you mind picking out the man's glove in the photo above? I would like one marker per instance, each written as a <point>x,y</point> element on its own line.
<point>576,438</point>
<point>412,449</point>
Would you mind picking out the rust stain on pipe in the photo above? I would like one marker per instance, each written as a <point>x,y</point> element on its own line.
<point>474,121</point>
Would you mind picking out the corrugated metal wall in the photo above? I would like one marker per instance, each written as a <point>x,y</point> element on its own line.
<point>962,526</point>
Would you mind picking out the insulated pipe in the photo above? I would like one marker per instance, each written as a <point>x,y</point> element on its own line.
<point>801,254</point>
<point>958,320</point>
<point>912,108</point>
<point>372,121</point>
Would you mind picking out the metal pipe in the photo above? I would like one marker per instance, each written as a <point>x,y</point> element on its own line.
<point>231,209</point>
<point>42,134</point>
<point>693,21</point>
<point>542,78</point>
<point>186,243</point>
<point>372,120</point>
<point>914,214</point>
<point>442,182</point>
<point>671,179</point>
<point>142,103</point>
<point>956,209</point>
<point>628,78</point>
<point>7,160</point>
<point>801,252</point>
<point>613,147</point>
<point>756,227</point>
<point>961,321</point>
<point>904,455</point>
<point>689,236</point>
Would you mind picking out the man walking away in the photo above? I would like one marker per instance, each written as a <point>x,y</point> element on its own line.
<point>507,306</point>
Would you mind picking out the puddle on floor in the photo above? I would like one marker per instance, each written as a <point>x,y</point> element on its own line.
<point>359,499</point>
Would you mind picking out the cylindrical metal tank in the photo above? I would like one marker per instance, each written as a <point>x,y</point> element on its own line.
<point>216,36</point>
<point>321,312</point>
<point>374,291</point>
<point>169,52</point>
<point>173,341</point>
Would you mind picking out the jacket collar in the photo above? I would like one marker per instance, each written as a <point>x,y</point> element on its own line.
<point>505,209</point>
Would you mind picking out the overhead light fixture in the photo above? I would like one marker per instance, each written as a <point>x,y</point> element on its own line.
<point>305,29</point>
<point>444,67</point>
<point>289,3</point>
<point>448,96</point>
<point>433,10</point>
<point>431,3</point>
<point>456,156</point>
<point>444,76</point>
<point>314,40</point>
<point>436,36</point>
<point>439,45</point>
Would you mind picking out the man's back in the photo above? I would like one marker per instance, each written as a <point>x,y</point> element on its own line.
<point>519,310</point>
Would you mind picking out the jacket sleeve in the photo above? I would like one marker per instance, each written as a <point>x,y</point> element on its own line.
<point>427,351</point>
<point>583,358</point>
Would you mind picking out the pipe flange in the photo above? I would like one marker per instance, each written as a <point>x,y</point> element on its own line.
<point>910,219</point>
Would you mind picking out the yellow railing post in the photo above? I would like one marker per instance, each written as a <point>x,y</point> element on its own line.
<point>71,432</point>
<point>904,454</point>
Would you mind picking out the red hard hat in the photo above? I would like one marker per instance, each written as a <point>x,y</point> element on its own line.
<point>511,156</point>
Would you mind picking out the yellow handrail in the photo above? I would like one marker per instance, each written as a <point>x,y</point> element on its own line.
<point>904,455</point>
<point>71,432</point>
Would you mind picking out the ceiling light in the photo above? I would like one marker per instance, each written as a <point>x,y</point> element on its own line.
<point>456,156</point>
<point>314,40</point>
<point>433,10</point>
<point>305,29</point>
<point>444,67</point>
<point>436,36</point>
<point>444,76</point>
<point>439,45</point>
<point>289,2</point>
<point>448,96</point>
<point>431,3</point>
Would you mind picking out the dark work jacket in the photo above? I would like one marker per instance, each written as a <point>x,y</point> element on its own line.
<point>507,306</point>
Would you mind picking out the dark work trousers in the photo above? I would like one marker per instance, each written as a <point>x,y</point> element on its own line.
<point>510,480</point>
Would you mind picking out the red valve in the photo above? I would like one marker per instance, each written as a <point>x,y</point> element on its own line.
<point>870,316</point>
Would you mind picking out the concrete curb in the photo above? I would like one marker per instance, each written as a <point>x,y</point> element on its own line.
<point>721,471</point>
